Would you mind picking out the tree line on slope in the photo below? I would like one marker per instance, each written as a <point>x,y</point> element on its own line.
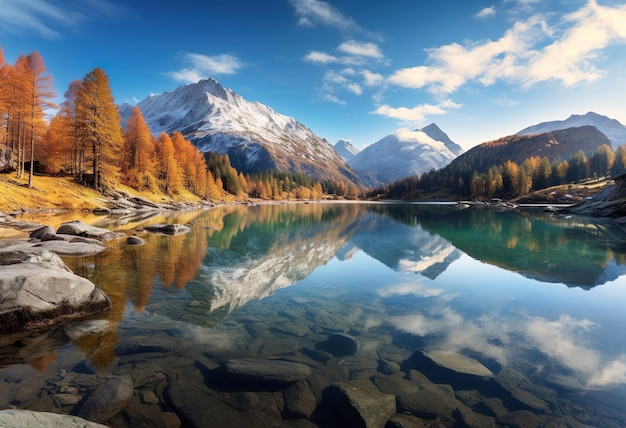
<point>507,180</point>
<point>85,139</point>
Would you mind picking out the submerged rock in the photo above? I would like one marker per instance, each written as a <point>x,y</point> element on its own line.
<point>108,399</point>
<point>360,404</point>
<point>14,418</point>
<point>266,371</point>
<point>339,345</point>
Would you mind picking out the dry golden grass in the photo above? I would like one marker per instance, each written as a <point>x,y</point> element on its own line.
<point>62,193</point>
<point>47,193</point>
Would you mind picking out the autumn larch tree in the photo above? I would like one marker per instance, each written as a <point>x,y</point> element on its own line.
<point>138,160</point>
<point>97,114</point>
<point>39,94</point>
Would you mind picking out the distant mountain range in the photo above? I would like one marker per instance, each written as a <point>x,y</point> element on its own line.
<point>404,153</point>
<point>613,129</point>
<point>255,137</point>
<point>557,146</point>
<point>258,139</point>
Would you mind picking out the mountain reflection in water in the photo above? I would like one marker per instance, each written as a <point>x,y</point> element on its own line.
<point>400,277</point>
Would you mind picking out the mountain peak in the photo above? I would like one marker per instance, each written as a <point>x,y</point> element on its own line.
<point>404,153</point>
<point>345,150</point>
<point>256,138</point>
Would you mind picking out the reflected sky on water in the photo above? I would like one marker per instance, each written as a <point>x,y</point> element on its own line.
<point>521,289</point>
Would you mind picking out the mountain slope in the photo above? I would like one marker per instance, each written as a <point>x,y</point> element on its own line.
<point>255,137</point>
<point>404,153</point>
<point>345,150</point>
<point>613,129</point>
<point>556,146</point>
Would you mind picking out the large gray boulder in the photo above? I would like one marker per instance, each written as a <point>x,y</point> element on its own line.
<point>14,418</point>
<point>39,291</point>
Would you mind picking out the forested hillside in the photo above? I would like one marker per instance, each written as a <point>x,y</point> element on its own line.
<point>513,166</point>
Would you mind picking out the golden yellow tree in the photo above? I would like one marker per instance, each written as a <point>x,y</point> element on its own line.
<point>139,163</point>
<point>98,116</point>
<point>39,93</point>
<point>167,165</point>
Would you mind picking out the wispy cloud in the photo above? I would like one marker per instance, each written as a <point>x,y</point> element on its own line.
<point>311,13</point>
<point>199,66</point>
<point>369,50</point>
<point>49,19</point>
<point>531,51</point>
<point>36,16</point>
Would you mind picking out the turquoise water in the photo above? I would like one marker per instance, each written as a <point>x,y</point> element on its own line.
<point>519,291</point>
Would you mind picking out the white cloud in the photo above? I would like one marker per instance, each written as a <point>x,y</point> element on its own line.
<point>528,53</point>
<point>205,66</point>
<point>320,57</point>
<point>370,50</point>
<point>417,113</point>
<point>486,12</point>
<point>371,79</point>
<point>354,88</point>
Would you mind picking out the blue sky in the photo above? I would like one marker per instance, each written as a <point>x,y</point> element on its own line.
<point>347,69</point>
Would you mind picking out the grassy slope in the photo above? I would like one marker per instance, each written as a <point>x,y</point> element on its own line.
<point>62,193</point>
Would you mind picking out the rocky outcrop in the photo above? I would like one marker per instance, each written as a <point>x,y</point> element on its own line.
<point>38,291</point>
<point>609,203</point>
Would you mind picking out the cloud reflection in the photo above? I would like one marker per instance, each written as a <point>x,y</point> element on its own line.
<point>565,342</point>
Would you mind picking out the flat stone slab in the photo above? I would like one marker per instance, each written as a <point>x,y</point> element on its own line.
<point>14,418</point>
<point>458,363</point>
<point>266,371</point>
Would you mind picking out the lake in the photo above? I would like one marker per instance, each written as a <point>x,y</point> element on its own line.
<point>328,314</point>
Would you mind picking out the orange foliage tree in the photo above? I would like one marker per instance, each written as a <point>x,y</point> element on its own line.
<point>138,157</point>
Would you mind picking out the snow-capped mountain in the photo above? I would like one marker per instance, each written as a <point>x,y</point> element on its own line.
<point>613,129</point>
<point>345,150</point>
<point>405,153</point>
<point>255,137</point>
